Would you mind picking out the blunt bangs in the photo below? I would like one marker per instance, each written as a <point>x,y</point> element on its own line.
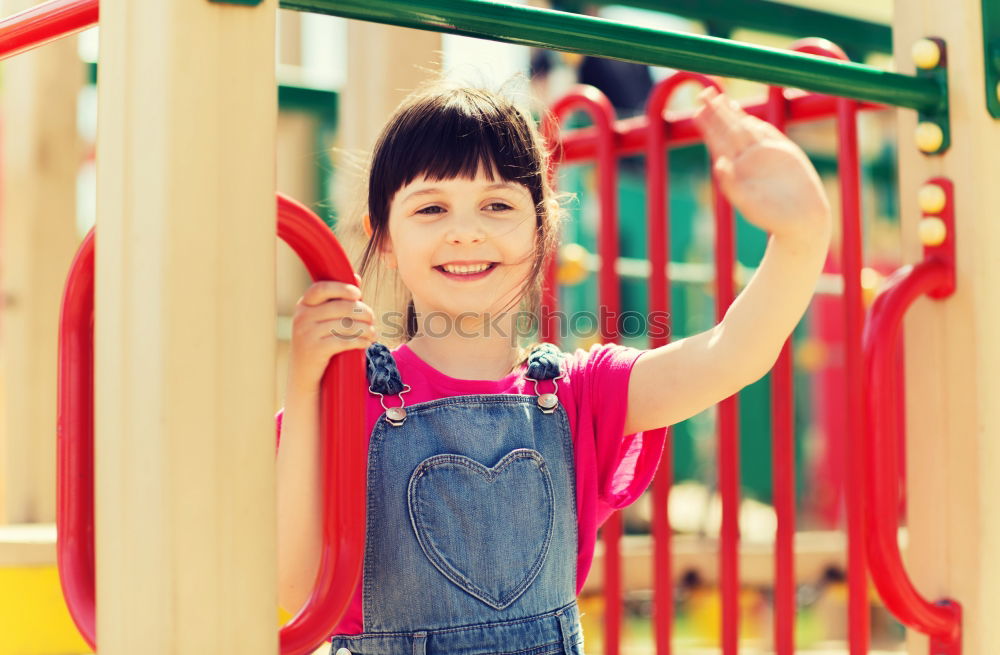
<point>442,137</point>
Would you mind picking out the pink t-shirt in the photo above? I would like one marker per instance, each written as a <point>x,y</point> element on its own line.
<point>612,469</point>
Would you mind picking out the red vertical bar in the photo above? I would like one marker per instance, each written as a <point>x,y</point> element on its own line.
<point>728,437</point>
<point>657,184</point>
<point>611,536</point>
<point>596,104</point>
<point>657,212</point>
<point>783,462</point>
<point>850,201</point>
<point>610,306</point>
<point>548,329</point>
<point>848,171</point>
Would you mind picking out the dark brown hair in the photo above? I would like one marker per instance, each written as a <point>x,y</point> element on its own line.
<point>442,132</point>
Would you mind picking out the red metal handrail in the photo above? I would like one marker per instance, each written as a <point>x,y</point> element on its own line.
<point>45,23</point>
<point>657,211</point>
<point>848,174</point>
<point>343,449</point>
<point>935,277</point>
<point>591,100</point>
<point>783,449</point>
<point>580,144</point>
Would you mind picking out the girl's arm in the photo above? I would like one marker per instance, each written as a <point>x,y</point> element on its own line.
<point>317,335</point>
<point>773,184</point>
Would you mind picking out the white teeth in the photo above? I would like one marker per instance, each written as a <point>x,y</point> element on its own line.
<point>465,270</point>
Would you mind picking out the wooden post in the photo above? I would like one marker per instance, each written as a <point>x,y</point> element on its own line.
<point>185,344</point>
<point>41,157</point>
<point>952,346</point>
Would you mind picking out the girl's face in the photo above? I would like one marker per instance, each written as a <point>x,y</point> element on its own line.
<point>462,245</point>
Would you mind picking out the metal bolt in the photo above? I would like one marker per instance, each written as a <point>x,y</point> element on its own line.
<point>926,53</point>
<point>929,136</point>
<point>931,198</point>
<point>932,231</point>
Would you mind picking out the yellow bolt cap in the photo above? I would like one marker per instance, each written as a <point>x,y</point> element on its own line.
<point>929,136</point>
<point>932,231</point>
<point>926,53</point>
<point>931,198</point>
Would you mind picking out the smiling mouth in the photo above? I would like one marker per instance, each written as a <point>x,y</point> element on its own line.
<point>469,275</point>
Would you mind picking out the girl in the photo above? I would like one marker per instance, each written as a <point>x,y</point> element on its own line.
<point>490,466</point>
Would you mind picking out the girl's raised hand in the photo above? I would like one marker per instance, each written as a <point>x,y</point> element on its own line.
<point>762,172</point>
<point>329,319</point>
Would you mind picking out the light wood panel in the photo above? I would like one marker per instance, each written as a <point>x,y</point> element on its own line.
<point>185,341</point>
<point>952,351</point>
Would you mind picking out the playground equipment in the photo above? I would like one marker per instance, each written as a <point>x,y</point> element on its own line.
<point>595,143</point>
<point>926,92</point>
<point>343,457</point>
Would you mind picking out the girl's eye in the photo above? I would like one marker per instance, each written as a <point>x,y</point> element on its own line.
<point>493,206</point>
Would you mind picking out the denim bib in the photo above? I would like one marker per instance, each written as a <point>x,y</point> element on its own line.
<point>471,536</point>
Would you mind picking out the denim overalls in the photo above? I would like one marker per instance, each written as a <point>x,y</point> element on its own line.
<point>471,530</point>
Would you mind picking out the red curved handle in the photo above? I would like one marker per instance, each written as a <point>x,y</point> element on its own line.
<point>343,448</point>
<point>934,276</point>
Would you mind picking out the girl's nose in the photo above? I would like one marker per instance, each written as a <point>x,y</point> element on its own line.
<point>465,228</point>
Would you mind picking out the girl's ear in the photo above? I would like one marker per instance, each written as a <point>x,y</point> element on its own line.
<point>390,258</point>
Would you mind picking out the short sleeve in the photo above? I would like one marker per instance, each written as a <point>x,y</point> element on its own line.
<point>277,421</point>
<point>626,463</point>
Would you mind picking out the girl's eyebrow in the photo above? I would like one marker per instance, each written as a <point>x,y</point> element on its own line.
<point>427,192</point>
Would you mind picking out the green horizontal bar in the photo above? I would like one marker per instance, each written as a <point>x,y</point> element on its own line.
<point>765,16</point>
<point>587,35</point>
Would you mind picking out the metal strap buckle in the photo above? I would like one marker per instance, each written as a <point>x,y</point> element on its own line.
<point>395,415</point>
<point>547,402</point>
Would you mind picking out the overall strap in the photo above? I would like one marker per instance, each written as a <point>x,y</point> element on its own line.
<point>383,376</point>
<point>543,362</point>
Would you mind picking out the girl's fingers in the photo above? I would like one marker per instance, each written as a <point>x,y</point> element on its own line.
<point>333,310</point>
<point>737,122</point>
<point>722,125</point>
<point>713,129</point>
<point>324,290</point>
<point>351,331</point>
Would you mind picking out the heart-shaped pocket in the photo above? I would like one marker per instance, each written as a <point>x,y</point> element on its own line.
<point>485,529</point>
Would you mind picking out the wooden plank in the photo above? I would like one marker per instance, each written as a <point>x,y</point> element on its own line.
<point>185,347</point>
<point>41,154</point>
<point>814,553</point>
<point>952,355</point>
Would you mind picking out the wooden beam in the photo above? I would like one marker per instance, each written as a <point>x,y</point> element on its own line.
<point>41,154</point>
<point>952,358</point>
<point>815,552</point>
<point>185,347</point>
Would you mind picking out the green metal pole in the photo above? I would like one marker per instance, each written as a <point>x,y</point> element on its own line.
<point>767,16</point>
<point>587,35</point>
